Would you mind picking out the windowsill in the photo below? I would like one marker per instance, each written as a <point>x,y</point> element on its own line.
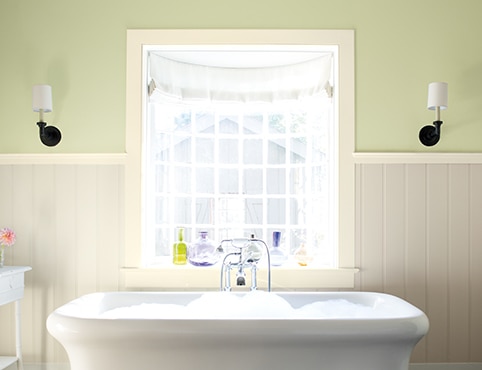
<point>208,278</point>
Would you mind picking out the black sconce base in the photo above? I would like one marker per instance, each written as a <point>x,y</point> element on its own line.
<point>430,135</point>
<point>49,135</point>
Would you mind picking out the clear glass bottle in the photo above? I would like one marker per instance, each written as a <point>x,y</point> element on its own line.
<point>303,255</point>
<point>254,252</point>
<point>179,249</point>
<point>203,252</point>
<point>277,256</point>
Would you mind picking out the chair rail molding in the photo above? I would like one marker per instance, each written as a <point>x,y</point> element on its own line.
<point>414,158</point>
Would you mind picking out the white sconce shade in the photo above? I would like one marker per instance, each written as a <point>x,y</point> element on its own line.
<point>42,98</point>
<point>437,95</point>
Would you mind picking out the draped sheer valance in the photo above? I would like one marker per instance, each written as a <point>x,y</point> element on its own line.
<point>180,80</point>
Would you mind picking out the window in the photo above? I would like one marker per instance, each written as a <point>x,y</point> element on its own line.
<point>239,168</point>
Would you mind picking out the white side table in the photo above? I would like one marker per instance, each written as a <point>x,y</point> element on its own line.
<point>11,290</point>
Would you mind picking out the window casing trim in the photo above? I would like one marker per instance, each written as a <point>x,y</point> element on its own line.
<point>137,41</point>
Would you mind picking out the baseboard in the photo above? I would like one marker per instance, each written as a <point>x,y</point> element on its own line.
<point>463,366</point>
<point>46,366</point>
<point>460,366</point>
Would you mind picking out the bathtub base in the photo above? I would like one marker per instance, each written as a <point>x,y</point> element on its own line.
<point>327,358</point>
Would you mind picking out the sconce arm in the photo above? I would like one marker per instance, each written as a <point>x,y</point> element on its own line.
<point>430,135</point>
<point>49,135</point>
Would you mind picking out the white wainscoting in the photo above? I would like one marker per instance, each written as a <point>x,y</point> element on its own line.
<point>418,236</point>
<point>69,224</point>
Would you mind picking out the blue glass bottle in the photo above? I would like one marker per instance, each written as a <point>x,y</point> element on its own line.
<point>277,256</point>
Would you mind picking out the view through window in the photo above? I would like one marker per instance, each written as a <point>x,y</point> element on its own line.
<point>235,162</point>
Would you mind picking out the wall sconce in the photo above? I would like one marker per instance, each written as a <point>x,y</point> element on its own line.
<point>437,100</point>
<point>42,103</point>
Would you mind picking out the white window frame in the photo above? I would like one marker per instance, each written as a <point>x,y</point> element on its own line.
<point>185,277</point>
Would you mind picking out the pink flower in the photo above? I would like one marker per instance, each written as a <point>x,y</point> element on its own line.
<point>7,237</point>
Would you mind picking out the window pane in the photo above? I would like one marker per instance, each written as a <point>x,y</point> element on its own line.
<point>182,121</point>
<point>182,211</point>
<point>228,181</point>
<point>275,181</point>
<point>162,214</point>
<point>204,122</point>
<point>298,180</point>
<point>182,149</point>
<point>162,243</point>
<point>276,211</point>
<point>253,181</point>
<point>298,211</point>
<point>205,180</point>
<point>161,175</point>
<point>228,125</point>
<point>253,151</point>
<point>204,211</point>
<point>254,211</point>
<point>161,145</point>
<point>253,124</point>
<point>298,151</point>
<point>277,151</point>
<point>204,150</point>
<point>182,179</point>
<point>277,123</point>
<point>228,151</point>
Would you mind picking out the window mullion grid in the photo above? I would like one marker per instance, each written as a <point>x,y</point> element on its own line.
<point>194,143</point>
<point>216,217</point>
<point>149,227</point>
<point>309,183</point>
<point>287,195</point>
<point>264,220</point>
<point>171,167</point>
<point>241,166</point>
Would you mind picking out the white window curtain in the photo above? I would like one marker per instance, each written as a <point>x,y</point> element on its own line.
<point>179,80</point>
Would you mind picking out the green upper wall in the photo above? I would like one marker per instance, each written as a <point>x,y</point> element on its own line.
<point>79,47</point>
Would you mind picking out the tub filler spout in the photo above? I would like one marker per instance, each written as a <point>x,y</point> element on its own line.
<point>243,254</point>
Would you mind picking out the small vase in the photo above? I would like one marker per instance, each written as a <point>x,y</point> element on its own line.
<point>303,255</point>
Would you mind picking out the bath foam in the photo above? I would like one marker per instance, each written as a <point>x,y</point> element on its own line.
<point>252,305</point>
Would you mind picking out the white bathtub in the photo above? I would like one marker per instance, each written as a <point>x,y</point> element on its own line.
<point>380,340</point>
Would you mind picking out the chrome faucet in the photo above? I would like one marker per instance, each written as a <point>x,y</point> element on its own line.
<point>246,259</point>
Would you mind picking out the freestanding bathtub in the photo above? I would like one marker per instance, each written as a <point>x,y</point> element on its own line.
<point>176,332</point>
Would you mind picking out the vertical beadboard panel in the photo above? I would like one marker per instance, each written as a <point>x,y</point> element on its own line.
<point>394,218</point>
<point>458,267</point>
<point>43,257</point>
<point>371,224</point>
<point>87,225</point>
<point>415,246</point>
<point>358,226</point>
<point>66,235</point>
<point>109,215</point>
<point>437,262</point>
<point>7,347</point>
<point>23,225</point>
<point>475,270</point>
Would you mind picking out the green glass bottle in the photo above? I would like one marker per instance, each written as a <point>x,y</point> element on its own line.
<point>179,249</point>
